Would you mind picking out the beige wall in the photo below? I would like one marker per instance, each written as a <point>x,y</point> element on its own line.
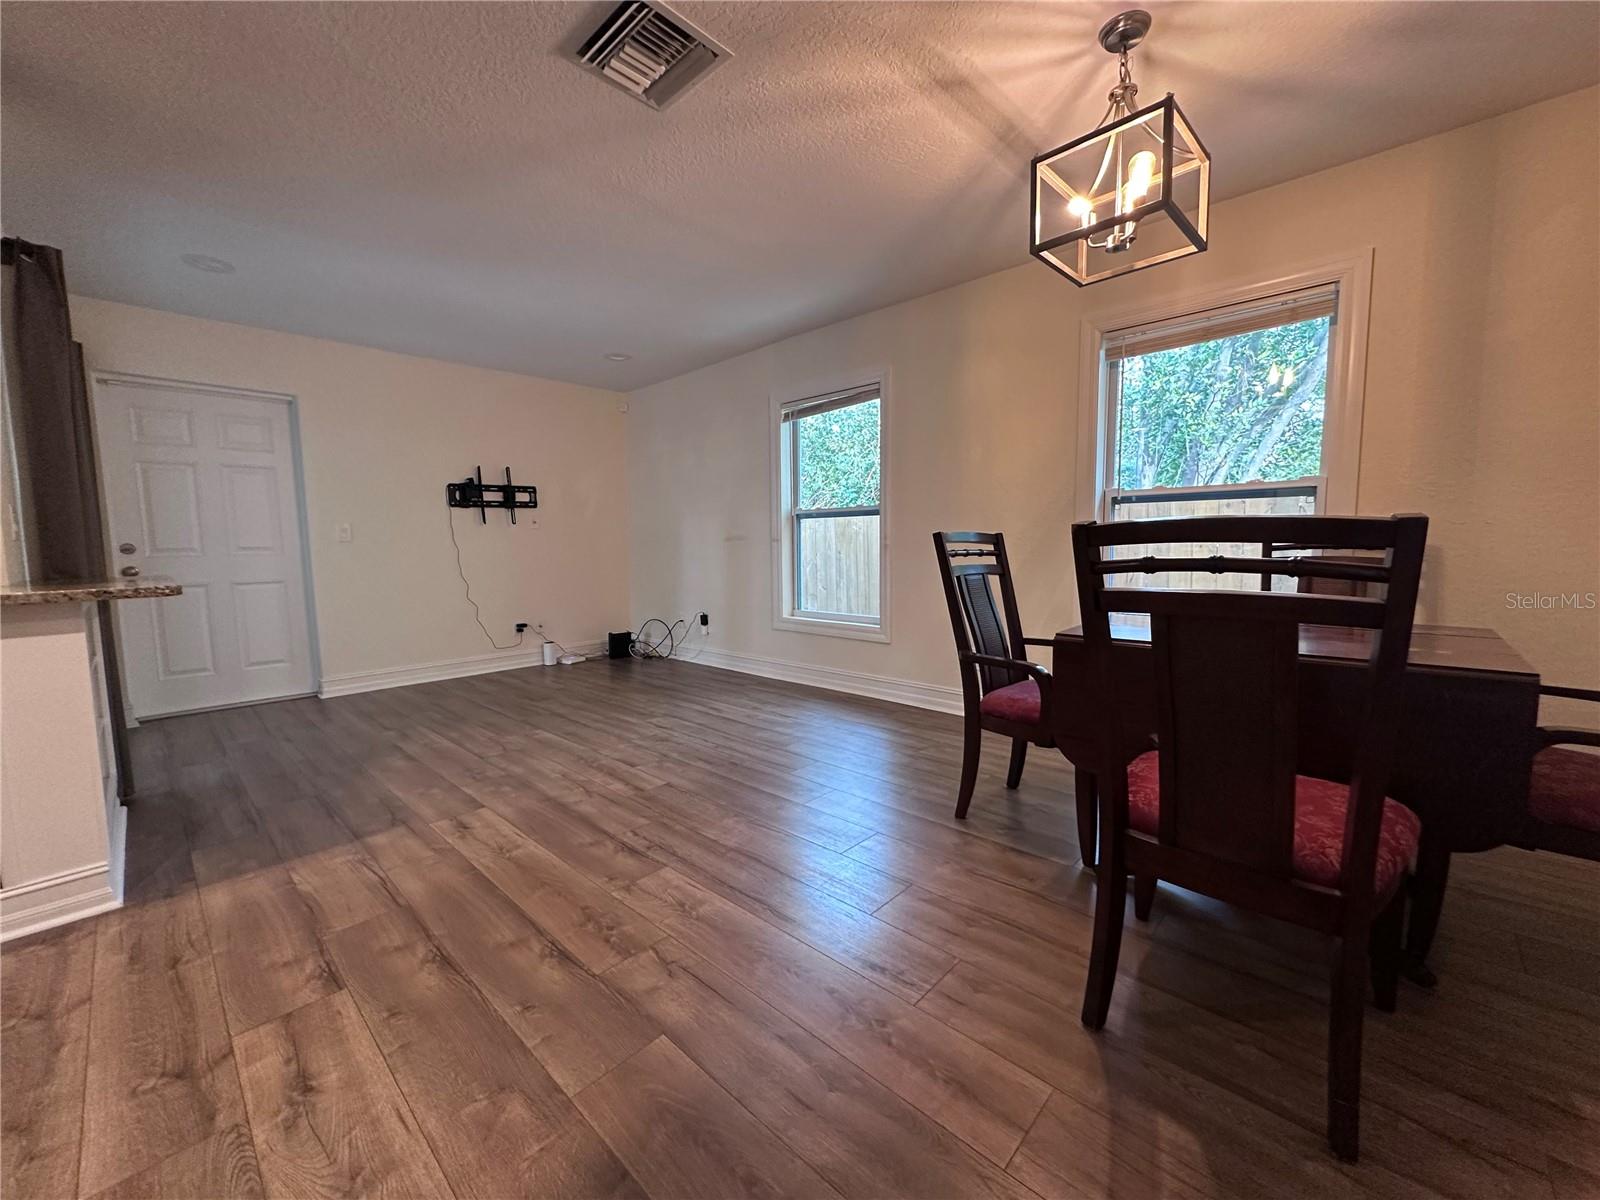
<point>381,434</point>
<point>61,857</point>
<point>1481,403</point>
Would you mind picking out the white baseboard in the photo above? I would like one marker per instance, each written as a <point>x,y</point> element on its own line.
<point>454,668</point>
<point>58,899</point>
<point>938,697</point>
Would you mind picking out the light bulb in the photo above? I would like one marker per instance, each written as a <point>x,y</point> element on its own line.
<point>1141,173</point>
<point>1078,207</point>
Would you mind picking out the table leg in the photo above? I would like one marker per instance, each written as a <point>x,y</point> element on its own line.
<point>1427,900</point>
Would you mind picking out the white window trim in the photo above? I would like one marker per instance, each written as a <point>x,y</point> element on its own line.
<point>1347,374</point>
<point>783,614</point>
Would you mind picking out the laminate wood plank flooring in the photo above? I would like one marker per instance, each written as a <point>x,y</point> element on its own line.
<point>682,1135</point>
<point>160,1074</point>
<point>982,1098</point>
<point>262,932</point>
<point>486,1106</point>
<point>328,1118</point>
<point>575,1025</point>
<point>648,930</point>
<point>871,947</point>
<point>44,1047</point>
<point>860,1136</point>
<point>224,1164</point>
<point>577,914</point>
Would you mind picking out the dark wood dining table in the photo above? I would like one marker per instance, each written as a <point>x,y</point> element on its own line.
<point>1462,758</point>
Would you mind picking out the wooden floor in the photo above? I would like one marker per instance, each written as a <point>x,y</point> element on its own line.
<point>653,929</point>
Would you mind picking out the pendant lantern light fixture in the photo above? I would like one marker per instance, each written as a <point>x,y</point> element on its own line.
<point>1134,192</point>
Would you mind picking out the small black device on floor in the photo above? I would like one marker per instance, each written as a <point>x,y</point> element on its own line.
<point>619,645</point>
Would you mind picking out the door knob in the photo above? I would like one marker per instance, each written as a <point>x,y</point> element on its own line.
<point>129,572</point>
<point>127,548</point>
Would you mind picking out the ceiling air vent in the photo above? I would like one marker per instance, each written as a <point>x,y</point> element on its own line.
<point>650,52</point>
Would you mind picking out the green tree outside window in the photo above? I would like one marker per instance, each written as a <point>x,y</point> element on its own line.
<point>1237,409</point>
<point>839,464</point>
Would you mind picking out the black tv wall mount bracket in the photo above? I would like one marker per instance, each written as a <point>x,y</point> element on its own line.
<point>473,492</point>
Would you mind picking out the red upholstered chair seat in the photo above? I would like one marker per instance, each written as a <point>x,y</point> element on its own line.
<point>1565,788</point>
<point>1014,702</point>
<point>1319,811</point>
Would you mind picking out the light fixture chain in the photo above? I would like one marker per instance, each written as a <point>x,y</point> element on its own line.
<point>1126,93</point>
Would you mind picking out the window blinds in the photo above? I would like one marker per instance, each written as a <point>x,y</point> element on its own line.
<point>821,404</point>
<point>1286,309</point>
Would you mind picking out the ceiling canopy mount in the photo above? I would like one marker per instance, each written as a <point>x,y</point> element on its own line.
<point>1125,30</point>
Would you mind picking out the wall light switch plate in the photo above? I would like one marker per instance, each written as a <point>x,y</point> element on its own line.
<point>343,532</point>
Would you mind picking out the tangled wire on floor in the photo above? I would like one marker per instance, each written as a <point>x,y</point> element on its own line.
<point>663,645</point>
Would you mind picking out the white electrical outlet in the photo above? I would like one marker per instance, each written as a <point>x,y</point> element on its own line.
<point>343,532</point>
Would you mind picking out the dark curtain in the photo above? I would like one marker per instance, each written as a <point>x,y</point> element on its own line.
<point>53,436</point>
<point>50,421</point>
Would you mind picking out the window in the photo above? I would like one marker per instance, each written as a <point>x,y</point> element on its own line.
<point>1246,407</point>
<point>1221,413</point>
<point>831,512</point>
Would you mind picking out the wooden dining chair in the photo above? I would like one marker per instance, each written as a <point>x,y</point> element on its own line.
<point>1564,788</point>
<point>1218,806</point>
<point>1560,814</point>
<point>1001,691</point>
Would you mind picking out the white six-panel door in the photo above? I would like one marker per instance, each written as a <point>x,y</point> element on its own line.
<point>200,486</point>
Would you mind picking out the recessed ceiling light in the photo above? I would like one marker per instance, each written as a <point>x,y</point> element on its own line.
<point>204,262</point>
<point>616,357</point>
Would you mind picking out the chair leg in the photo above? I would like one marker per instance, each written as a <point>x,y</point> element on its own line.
<point>1088,803</point>
<point>1019,755</point>
<point>1110,898</point>
<point>1427,902</point>
<point>1344,1048</point>
<point>971,748</point>
<point>1385,952</point>
<point>1144,895</point>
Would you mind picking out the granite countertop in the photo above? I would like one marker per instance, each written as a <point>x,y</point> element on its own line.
<point>138,588</point>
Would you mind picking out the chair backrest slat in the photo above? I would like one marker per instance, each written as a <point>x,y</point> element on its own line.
<point>1217,564</point>
<point>1335,533</point>
<point>1226,671</point>
<point>981,622</point>
<point>1337,574</point>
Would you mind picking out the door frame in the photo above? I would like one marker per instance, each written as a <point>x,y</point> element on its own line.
<point>100,377</point>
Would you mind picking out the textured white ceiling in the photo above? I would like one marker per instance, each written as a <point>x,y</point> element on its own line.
<point>438,179</point>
